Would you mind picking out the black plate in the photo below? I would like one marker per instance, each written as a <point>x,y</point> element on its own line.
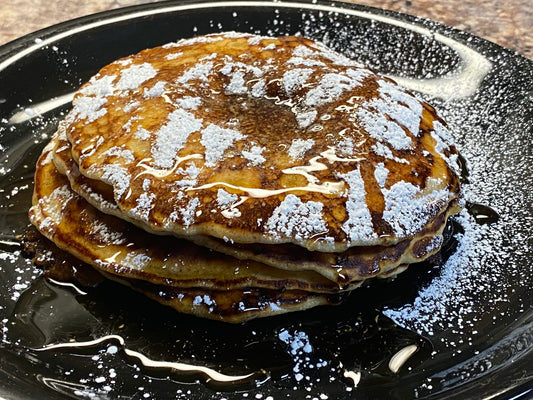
<point>469,321</point>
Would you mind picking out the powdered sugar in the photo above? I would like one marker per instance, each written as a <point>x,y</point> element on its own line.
<point>304,51</point>
<point>399,105</point>
<point>94,95</point>
<point>331,86</point>
<point>299,147</point>
<point>156,90</point>
<point>132,105</point>
<point>237,72</point>
<point>55,204</point>
<point>115,175</point>
<point>173,56</point>
<point>124,62</point>
<point>346,146</point>
<point>144,205</point>
<point>108,235</point>
<point>444,139</point>
<point>359,225</point>
<point>205,299</point>
<point>258,89</point>
<point>172,136</point>
<point>254,155</point>
<point>125,154</point>
<point>186,214</point>
<point>294,78</point>
<point>445,293</point>
<point>299,347</point>
<point>133,76</point>
<point>142,134</point>
<point>384,151</point>
<point>407,210</point>
<point>216,141</point>
<point>189,102</point>
<point>381,173</point>
<point>225,199</point>
<point>89,108</point>
<point>99,86</point>
<point>305,62</point>
<point>97,198</point>
<point>237,84</point>
<point>380,127</point>
<point>306,118</point>
<point>199,71</point>
<point>296,219</point>
<point>137,261</point>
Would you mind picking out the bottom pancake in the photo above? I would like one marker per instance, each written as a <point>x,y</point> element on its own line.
<point>233,306</point>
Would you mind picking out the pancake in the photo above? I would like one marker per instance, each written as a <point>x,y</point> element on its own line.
<point>258,140</point>
<point>96,193</point>
<point>234,176</point>
<point>116,247</point>
<point>352,265</point>
<point>232,306</point>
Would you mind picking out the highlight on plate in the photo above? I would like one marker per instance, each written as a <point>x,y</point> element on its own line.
<point>233,176</point>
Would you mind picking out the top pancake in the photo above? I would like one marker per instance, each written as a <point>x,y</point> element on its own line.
<point>263,140</point>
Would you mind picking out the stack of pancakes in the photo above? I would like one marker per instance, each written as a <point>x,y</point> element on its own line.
<point>234,176</point>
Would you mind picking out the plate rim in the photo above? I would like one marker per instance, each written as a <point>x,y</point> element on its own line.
<point>107,17</point>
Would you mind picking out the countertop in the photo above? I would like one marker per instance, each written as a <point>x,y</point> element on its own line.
<point>508,23</point>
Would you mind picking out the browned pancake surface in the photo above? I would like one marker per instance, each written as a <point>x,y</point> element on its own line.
<point>263,140</point>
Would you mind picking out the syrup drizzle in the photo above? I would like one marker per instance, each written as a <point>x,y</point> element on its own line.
<point>136,357</point>
<point>463,168</point>
<point>326,187</point>
<point>482,214</point>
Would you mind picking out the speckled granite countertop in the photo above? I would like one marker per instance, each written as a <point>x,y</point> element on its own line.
<point>508,23</point>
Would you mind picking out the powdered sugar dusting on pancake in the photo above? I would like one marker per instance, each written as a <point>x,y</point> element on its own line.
<point>216,141</point>
<point>172,136</point>
<point>299,147</point>
<point>359,225</point>
<point>296,218</point>
<point>301,126</point>
<point>133,76</point>
<point>406,210</point>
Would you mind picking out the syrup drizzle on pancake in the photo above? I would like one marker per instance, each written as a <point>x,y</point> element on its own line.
<point>270,121</point>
